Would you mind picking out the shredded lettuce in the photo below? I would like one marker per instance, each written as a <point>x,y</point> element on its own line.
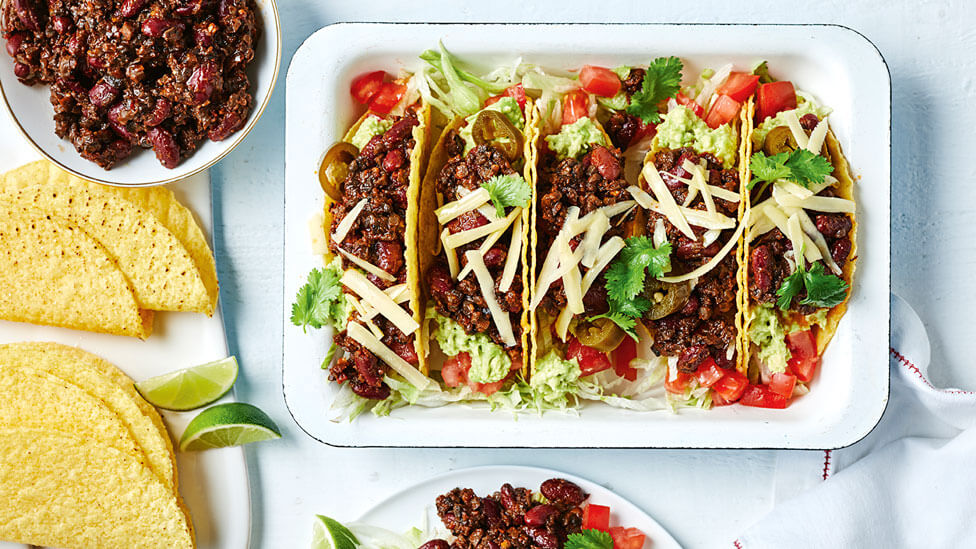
<point>455,91</point>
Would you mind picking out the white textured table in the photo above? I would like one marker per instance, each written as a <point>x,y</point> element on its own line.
<point>703,497</point>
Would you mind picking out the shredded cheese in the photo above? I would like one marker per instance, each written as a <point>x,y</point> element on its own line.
<point>571,276</point>
<point>501,318</point>
<point>347,222</point>
<point>817,203</point>
<point>660,233</point>
<point>698,177</point>
<point>355,281</point>
<point>374,345</point>
<point>594,234</point>
<point>794,124</point>
<point>810,228</point>
<point>781,220</point>
<point>513,259</point>
<point>367,266</point>
<point>713,262</point>
<point>398,294</point>
<point>817,136</point>
<point>452,260</point>
<point>468,202</point>
<point>667,204</point>
<point>457,240</point>
<point>483,249</point>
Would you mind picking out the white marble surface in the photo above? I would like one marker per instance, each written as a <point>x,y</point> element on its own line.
<point>703,497</point>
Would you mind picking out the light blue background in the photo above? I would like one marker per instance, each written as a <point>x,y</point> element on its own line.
<point>928,46</point>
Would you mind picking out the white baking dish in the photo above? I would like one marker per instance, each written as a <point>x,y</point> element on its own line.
<point>839,66</point>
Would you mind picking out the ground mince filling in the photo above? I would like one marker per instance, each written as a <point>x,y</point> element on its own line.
<point>594,181</point>
<point>381,175</point>
<point>462,301</point>
<point>159,74</point>
<point>511,518</point>
<point>705,325</point>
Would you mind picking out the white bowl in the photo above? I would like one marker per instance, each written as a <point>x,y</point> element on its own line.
<point>30,109</point>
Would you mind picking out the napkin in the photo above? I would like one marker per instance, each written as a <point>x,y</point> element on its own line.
<point>910,483</point>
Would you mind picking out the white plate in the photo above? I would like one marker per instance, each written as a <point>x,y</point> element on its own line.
<point>839,66</point>
<point>214,483</point>
<point>30,107</point>
<point>406,509</point>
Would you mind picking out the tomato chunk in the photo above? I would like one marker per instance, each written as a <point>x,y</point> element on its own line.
<point>599,81</point>
<point>775,97</point>
<point>455,370</point>
<point>803,355</point>
<point>365,86</point>
<point>575,106</point>
<point>782,384</point>
<point>516,92</point>
<point>622,355</point>
<point>762,397</point>
<point>387,97</point>
<point>678,384</point>
<point>683,99</point>
<point>709,372</point>
<point>590,360</point>
<point>739,85</point>
<point>627,538</point>
<point>731,386</point>
<point>596,517</point>
<point>723,111</point>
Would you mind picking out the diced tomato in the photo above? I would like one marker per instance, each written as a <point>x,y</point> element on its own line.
<point>486,388</point>
<point>406,351</point>
<point>731,386</point>
<point>683,99</point>
<point>455,370</point>
<point>723,111</point>
<point>627,538</point>
<point>590,360</point>
<point>622,355</point>
<point>596,517</point>
<point>709,372</point>
<point>762,397</point>
<point>575,106</point>
<point>387,97</point>
<point>516,92</point>
<point>678,384</point>
<point>719,400</point>
<point>782,384</point>
<point>599,81</point>
<point>775,97</point>
<point>803,354</point>
<point>739,85</point>
<point>365,86</point>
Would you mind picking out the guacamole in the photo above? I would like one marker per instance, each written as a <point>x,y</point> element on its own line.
<point>554,379</point>
<point>807,107</point>
<point>682,128</point>
<point>340,309</point>
<point>768,333</point>
<point>489,362</point>
<point>574,139</point>
<point>371,126</point>
<point>507,106</point>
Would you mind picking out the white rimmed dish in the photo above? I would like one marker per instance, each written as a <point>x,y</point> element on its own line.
<point>29,108</point>
<point>405,509</point>
<point>839,66</point>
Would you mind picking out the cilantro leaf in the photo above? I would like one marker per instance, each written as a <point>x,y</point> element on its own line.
<point>823,290</point>
<point>800,166</point>
<point>313,304</point>
<point>508,190</point>
<point>625,314</point>
<point>625,278</point>
<point>762,70</point>
<point>663,80</point>
<point>589,539</point>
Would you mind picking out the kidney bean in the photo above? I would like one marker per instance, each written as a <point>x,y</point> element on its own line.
<point>538,515</point>
<point>123,130</point>
<point>761,268</point>
<point>809,121</point>
<point>156,26</point>
<point>406,351</point>
<point>559,490</point>
<point>14,41</point>
<point>75,44</point>
<point>691,306</point>
<point>371,392</point>
<point>368,367</point>
<point>840,250</point>
<point>103,94</point>
<point>167,152</point>
<point>393,160</point>
<point>161,111</point>
<point>202,82</point>
<point>542,537</point>
<point>495,257</point>
<point>189,7</point>
<point>833,225</point>
<point>203,37</point>
<point>606,163</point>
<point>467,221</point>
<point>27,13</point>
<point>389,256</point>
<point>95,62</point>
<point>435,544</point>
<point>373,146</point>
<point>399,131</point>
<point>692,249</point>
<point>507,497</point>
<point>230,124</point>
<point>130,8</point>
<point>492,512</point>
<point>439,280</point>
<point>21,70</point>
<point>61,24</point>
<point>691,357</point>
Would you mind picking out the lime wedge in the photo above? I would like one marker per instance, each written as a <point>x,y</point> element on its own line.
<point>190,388</point>
<point>228,424</point>
<point>328,533</point>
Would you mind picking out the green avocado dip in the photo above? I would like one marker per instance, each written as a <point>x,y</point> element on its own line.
<point>769,333</point>
<point>489,362</point>
<point>371,127</point>
<point>683,128</point>
<point>573,140</point>
<point>507,106</point>
<point>554,378</point>
<point>807,107</point>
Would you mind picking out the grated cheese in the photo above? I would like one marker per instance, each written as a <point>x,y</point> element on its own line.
<point>669,208</point>
<point>713,262</point>
<point>513,259</point>
<point>468,202</point>
<point>366,339</point>
<point>355,281</point>
<point>347,222</point>
<point>500,317</point>
<point>367,266</point>
<point>457,240</point>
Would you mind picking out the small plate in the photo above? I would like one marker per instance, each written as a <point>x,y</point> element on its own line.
<point>30,109</point>
<point>839,66</point>
<point>406,509</point>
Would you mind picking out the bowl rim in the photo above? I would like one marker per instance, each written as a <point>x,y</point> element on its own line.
<point>238,138</point>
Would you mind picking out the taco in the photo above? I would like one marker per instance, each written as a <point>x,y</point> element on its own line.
<point>800,244</point>
<point>369,289</point>
<point>474,233</point>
